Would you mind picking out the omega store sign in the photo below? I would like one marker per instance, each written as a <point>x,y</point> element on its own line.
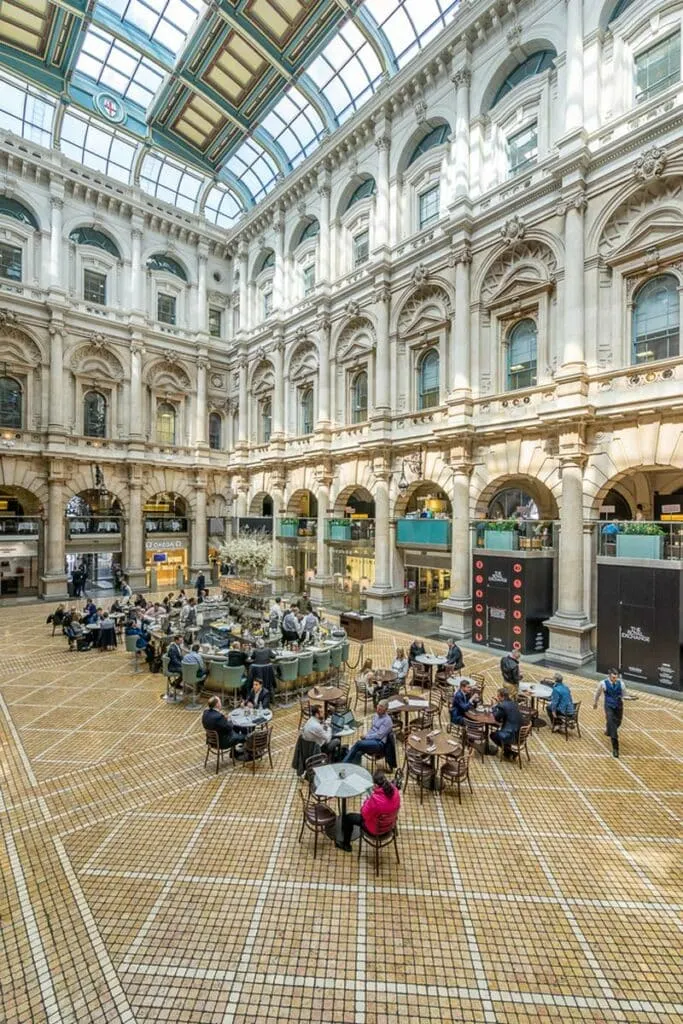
<point>640,622</point>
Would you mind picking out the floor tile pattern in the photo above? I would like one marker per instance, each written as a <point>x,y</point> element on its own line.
<point>136,886</point>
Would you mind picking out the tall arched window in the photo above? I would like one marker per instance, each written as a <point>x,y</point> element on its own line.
<point>215,432</point>
<point>434,137</point>
<point>306,410</point>
<point>428,380</point>
<point>165,423</point>
<point>10,403</point>
<point>266,420</point>
<point>656,320</point>
<point>535,64</point>
<point>521,359</point>
<point>359,398</point>
<point>94,414</point>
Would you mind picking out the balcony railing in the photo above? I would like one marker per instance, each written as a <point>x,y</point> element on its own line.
<point>19,526</point>
<point>88,526</point>
<point>515,534</point>
<point>292,528</point>
<point>654,541</point>
<point>424,533</point>
<point>165,524</point>
<point>350,532</point>
<point>249,525</point>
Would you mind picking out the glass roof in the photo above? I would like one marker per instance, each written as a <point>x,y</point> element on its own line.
<point>201,91</point>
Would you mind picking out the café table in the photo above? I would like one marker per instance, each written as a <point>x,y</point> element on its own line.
<point>248,719</point>
<point>486,719</point>
<point>384,675</point>
<point>342,781</point>
<point>537,692</point>
<point>434,744</point>
<point>406,705</point>
<point>325,695</point>
<point>432,661</point>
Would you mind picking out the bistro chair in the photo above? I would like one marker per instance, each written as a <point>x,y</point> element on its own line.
<point>311,764</point>
<point>233,680</point>
<point>305,670</point>
<point>567,723</point>
<point>456,769</point>
<point>521,743</point>
<point>317,818</point>
<point>173,680</point>
<point>213,747</point>
<point>386,836</point>
<point>364,692</point>
<point>475,733</point>
<point>289,672</point>
<point>132,648</point>
<point>419,768</point>
<point>305,710</point>
<point>190,680</point>
<point>256,746</point>
<point>421,674</point>
<point>425,720</point>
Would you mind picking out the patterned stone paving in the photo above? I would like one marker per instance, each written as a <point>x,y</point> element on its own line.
<point>138,886</point>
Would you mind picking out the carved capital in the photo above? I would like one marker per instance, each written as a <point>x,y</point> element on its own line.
<point>202,363</point>
<point>7,317</point>
<point>461,78</point>
<point>460,254</point>
<point>383,142</point>
<point>382,293</point>
<point>324,324</point>
<point>650,164</point>
<point>352,308</point>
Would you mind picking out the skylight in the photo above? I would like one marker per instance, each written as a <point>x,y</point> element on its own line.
<point>254,167</point>
<point>410,24</point>
<point>296,125</point>
<point>84,140</point>
<point>165,179</point>
<point>25,111</point>
<point>347,71</point>
<point>168,22</point>
<point>222,207</point>
<point>111,63</point>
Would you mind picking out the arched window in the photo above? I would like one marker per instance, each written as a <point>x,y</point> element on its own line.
<point>656,320</point>
<point>10,403</point>
<point>619,9</point>
<point>97,239</point>
<point>310,230</point>
<point>363,191</point>
<point>215,431</point>
<point>521,359</point>
<point>94,414</point>
<point>428,380</point>
<point>266,420</point>
<point>167,265</point>
<point>267,262</point>
<point>359,398</point>
<point>165,423</point>
<point>533,65</point>
<point>12,208</point>
<point>306,410</point>
<point>436,137</point>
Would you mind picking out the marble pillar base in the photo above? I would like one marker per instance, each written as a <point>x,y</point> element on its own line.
<point>456,618</point>
<point>570,640</point>
<point>384,604</point>
<point>317,588</point>
<point>54,588</point>
<point>278,580</point>
<point>137,579</point>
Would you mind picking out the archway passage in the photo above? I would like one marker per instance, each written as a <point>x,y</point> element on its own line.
<point>525,496</point>
<point>650,499</point>
<point>355,500</point>
<point>261,505</point>
<point>20,527</point>
<point>303,503</point>
<point>166,538</point>
<point>94,519</point>
<point>424,499</point>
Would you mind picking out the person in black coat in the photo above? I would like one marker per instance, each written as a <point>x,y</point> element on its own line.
<point>417,647</point>
<point>509,669</point>
<point>454,656</point>
<point>200,586</point>
<point>258,697</point>
<point>213,718</point>
<point>508,714</point>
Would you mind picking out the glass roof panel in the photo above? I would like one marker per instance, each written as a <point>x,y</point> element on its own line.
<point>347,71</point>
<point>254,167</point>
<point>410,24</point>
<point>170,181</point>
<point>222,207</point>
<point>111,63</point>
<point>26,111</point>
<point>87,141</point>
<point>296,125</point>
<point>168,22</point>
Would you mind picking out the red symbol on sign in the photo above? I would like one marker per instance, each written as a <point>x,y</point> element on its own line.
<point>110,107</point>
<point>479,623</point>
<point>479,564</point>
<point>478,579</point>
<point>478,637</point>
<point>516,645</point>
<point>479,593</point>
<point>517,598</point>
<point>516,567</point>
<point>478,607</point>
<point>517,584</point>
<point>516,630</point>
<point>516,614</point>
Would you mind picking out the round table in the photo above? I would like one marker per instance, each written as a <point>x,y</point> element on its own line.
<point>423,741</point>
<point>384,675</point>
<point>537,691</point>
<point>486,719</point>
<point>342,781</point>
<point>404,705</point>
<point>325,695</point>
<point>248,719</point>
<point>432,661</point>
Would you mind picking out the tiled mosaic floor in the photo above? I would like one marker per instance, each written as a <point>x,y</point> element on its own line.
<point>136,886</point>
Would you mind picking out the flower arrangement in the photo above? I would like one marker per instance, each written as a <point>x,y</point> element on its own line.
<point>642,529</point>
<point>253,555</point>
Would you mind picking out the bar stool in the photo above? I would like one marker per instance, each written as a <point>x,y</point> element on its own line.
<point>321,665</point>
<point>305,670</point>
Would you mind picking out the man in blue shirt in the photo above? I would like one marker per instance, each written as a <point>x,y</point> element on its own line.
<point>561,702</point>
<point>374,740</point>
<point>462,702</point>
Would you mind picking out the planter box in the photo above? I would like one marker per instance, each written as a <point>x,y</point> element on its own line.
<point>501,540</point>
<point>340,532</point>
<point>637,545</point>
<point>424,533</point>
<point>289,529</point>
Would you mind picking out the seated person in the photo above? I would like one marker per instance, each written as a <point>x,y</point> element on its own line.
<point>258,697</point>
<point>262,655</point>
<point>385,799</point>
<point>214,718</point>
<point>57,618</point>
<point>365,680</point>
<point>188,614</point>
<point>315,731</point>
<point>454,656</point>
<point>89,613</point>
<point>508,714</point>
<point>417,647</point>
<point>400,665</point>
<point>72,631</point>
<point>135,628</point>
<point>107,635</point>
<point>193,657</point>
<point>236,656</point>
<point>463,701</point>
<point>374,740</point>
<point>174,652</point>
<point>561,702</point>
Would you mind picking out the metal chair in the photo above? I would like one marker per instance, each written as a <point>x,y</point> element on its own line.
<point>172,679</point>
<point>317,818</point>
<point>313,762</point>
<point>456,769</point>
<point>190,680</point>
<point>386,835</point>
<point>419,768</point>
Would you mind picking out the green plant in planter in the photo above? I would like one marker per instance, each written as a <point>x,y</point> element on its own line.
<point>340,522</point>
<point>501,525</point>
<point>643,529</point>
<point>289,521</point>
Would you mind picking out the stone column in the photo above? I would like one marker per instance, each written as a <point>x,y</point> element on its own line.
<point>54,579</point>
<point>56,242</point>
<point>324,191</point>
<point>243,406</point>
<point>382,598</point>
<point>277,572</point>
<point>456,610</point>
<point>134,560</point>
<point>573,111</point>
<point>201,416</point>
<point>243,252</point>
<point>199,548</point>
<point>202,258</point>
<point>460,347</point>
<point>278,357</point>
<point>322,570</point>
<point>135,431</point>
<point>324,328</point>
<point>460,148</point>
<point>279,271</point>
<point>136,275</point>
<point>382,403</point>
<point>242,491</point>
<point>381,219</point>
<point>56,404</point>
<point>573,358</point>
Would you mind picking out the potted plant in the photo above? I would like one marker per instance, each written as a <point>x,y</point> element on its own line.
<point>640,540</point>
<point>289,527</point>
<point>340,529</point>
<point>501,535</point>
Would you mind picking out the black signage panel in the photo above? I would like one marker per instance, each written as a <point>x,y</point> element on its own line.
<point>511,597</point>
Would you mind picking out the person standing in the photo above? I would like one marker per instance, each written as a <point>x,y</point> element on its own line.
<point>200,586</point>
<point>509,669</point>
<point>614,689</point>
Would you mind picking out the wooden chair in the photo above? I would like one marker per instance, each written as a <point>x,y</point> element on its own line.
<point>363,691</point>
<point>520,743</point>
<point>317,818</point>
<point>419,768</point>
<point>257,746</point>
<point>565,723</point>
<point>421,675</point>
<point>479,678</point>
<point>456,769</point>
<point>476,734</point>
<point>213,747</point>
<point>386,835</point>
<point>305,707</point>
<point>311,764</point>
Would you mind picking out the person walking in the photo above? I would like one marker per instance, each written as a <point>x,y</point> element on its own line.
<point>613,689</point>
<point>509,669</point>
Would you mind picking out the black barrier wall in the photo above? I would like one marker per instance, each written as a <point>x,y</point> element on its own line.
<point>512,595</point>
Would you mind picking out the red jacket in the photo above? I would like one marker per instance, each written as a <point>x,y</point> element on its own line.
<point>377,803</point>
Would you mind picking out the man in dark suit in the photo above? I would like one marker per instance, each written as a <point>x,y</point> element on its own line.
<point>508,714</point>
<point>213,718</point>
<point>200,586</point>
<point>258,697</point>
<point>236,656</point>
<point>463,701</point>
<point>454,656</point>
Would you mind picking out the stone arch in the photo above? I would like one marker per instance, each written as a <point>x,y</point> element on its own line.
<point>216,505</point>
<point>17,345</point>
<point>295,239</point>
<point>168,481</point>
<point>652,211</point>
<point>342,498</point>
<point>347,190</point>
<point>646,448</point>
<point>24,201</point>
<point>167,373</point>
<point>425,307</point>
<point>481,103</point>
<point>542,494</point>
<point>410,143</point>
<point>32,500</point>
<point>530,262</point>
<point>80,479</point>
<point>356,338</point>
<point>256,504</point>
<point>303,361</point>
<point>263,377</point>
<point>94,359</point>
<point>420,488</point>
<point>294,502</point>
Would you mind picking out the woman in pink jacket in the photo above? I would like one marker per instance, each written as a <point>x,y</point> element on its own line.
<point>385,800</point>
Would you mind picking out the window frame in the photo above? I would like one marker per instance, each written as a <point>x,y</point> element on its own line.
<point>265,417</point>
<point>517,369</point>
<point>356,409</point>
<point>158,434</point>
<point>16,249</point>
<point>161,295</point>
<point>663,84</point>
<point>528,162</point>
<point>670,332</point>
<point>306,393</point>
<point>215,311</point>
<point>423,403</point>
<point>308,288</point>
<point>5,420</point>
<point>103,281</point>
<point>105,418</point>
<point>215,417</point>
<point>434,218</point>
<point>355,238</point>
